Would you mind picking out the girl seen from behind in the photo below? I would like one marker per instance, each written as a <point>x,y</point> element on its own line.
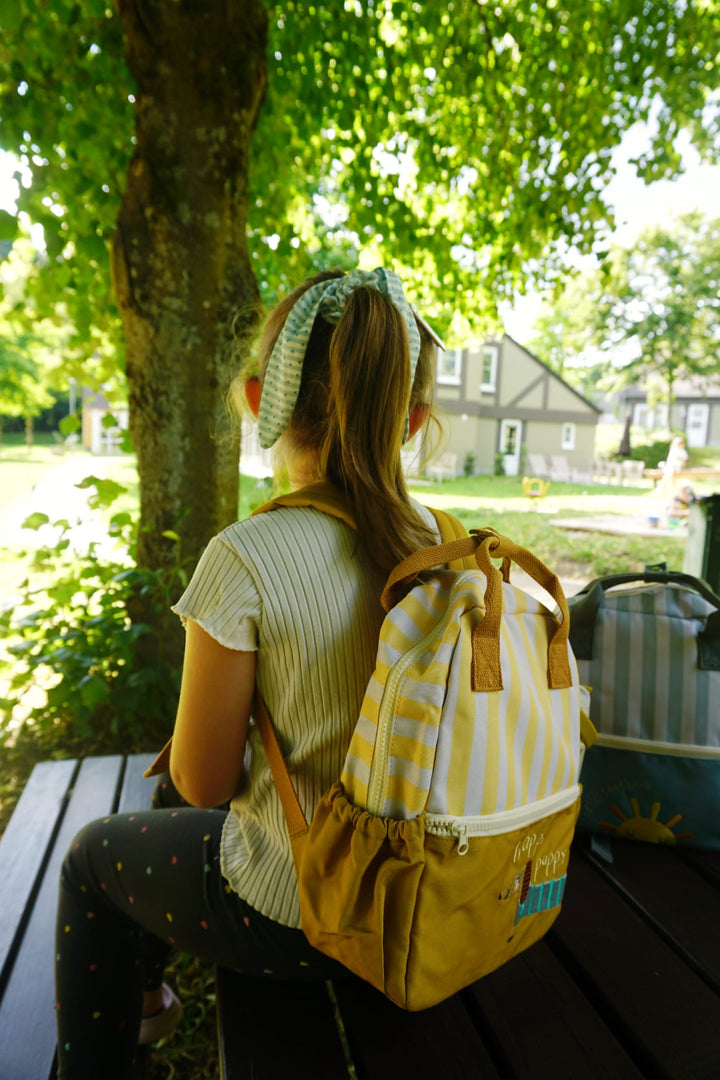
<point>288,601</point>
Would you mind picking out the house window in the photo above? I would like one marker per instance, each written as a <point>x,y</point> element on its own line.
<point>449,367</point>
<point>568,437</point>
<point>488,377</point>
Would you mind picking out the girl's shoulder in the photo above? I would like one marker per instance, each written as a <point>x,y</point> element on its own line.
<point>285,530</point>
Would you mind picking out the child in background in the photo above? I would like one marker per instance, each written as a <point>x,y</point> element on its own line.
<point>287,600</point>
<point>679,509</point>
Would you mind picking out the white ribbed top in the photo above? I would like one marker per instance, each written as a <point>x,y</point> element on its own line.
<point>292,585</point>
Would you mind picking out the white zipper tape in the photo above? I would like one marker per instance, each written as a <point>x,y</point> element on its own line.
<point>463,828</point>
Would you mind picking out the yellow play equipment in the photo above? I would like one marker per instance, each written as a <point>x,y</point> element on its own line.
<point>534,487</point>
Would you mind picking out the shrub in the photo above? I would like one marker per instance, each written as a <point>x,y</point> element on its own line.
<point>73,644</point>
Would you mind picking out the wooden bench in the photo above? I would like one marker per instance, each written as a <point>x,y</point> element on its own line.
<point>625,986</point>
<point>59,798</point>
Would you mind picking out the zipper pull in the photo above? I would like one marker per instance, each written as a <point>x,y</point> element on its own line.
<point>460,834</point>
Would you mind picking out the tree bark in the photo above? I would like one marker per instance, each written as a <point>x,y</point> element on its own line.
<point>182,275</point>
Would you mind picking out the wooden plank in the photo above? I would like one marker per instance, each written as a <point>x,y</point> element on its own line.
<point>136,792</point>
<point>24,847</point>
<point>660,884</point>
<point>540,1026</point>
<point>29,998</point>
<point>270,1029</point>
<point>387,1042</point>
<point>663,1013</point>
<point>706,863</point>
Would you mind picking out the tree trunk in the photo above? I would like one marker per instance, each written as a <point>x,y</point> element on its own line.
<point>181,266</point>
<point>29,431</point>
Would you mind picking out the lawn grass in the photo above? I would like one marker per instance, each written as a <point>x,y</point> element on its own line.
<point>498,502</point>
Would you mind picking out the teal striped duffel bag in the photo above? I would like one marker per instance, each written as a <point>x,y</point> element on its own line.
<point>648,646</point>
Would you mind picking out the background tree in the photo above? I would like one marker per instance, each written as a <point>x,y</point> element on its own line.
<point>21,390</point>
<point>468,145</point>
<point>30,349</point>
<point>652,308</point>
<point>564,338</point>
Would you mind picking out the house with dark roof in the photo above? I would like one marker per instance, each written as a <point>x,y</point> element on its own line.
<point>500,399</point>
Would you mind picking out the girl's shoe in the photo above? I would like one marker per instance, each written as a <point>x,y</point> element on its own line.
<point>161,1023</point>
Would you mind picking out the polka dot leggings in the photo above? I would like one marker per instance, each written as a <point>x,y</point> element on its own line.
<point>132,888</point>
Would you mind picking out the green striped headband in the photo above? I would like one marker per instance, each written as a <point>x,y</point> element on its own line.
<point>328,298</point>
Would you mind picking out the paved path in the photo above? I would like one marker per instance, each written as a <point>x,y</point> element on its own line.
<point>619,525</point>
<point>57,496</point>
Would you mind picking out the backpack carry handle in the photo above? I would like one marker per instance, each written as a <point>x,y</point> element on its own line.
<point>486,544</point>
<point>587,603</point>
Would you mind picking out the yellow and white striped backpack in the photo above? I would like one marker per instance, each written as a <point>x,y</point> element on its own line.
<point>442,850</point>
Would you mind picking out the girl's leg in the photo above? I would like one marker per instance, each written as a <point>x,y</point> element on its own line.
<point>133,887</point>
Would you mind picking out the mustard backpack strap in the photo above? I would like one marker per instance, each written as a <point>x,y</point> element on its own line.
<point>452,529</point>
<point>322,496</point>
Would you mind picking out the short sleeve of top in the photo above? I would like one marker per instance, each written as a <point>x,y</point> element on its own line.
<point>221,587</point>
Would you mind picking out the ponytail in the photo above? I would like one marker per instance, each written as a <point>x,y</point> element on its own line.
<point>370,397</point>
<point>352,409</point>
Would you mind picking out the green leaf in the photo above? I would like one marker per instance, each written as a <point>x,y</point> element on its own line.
<point>8,226</point>
<point>35,521</point>
<point>93,691</point>
<point>106,491</point>
<point>69,424</point>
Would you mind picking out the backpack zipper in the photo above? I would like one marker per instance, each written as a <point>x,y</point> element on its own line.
<point>462,828</point>
<point>387,710</point>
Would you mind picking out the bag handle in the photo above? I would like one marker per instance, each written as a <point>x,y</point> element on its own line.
<point>587,603</point>
<point>486,545</point>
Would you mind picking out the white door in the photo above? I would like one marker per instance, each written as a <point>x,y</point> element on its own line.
<point>510,441</point>
<point>696,423</point>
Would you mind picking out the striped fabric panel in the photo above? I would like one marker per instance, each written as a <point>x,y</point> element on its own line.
<point>519,744</point>
<point>417,712</point>
<point>444,749</point>
<point>644,676</point>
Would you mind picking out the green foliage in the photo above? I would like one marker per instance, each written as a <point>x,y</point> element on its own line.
<point>67,116</point>
<point>659,300</point>
<point>455,140</point>
<point>464,140</point>
<point>76,653</point>
<point>499,465</point>
<point>469,464</point>
<point>653,307</point>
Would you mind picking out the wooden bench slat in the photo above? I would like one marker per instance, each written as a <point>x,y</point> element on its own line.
<point>136,792</point>
<point>706,863</point>
<point>665,1015</point>
<point>27,1039</point>
<point>280,1029</point>
<point>387,1042</point>
<point>24,846</point>
<point>540,1025</point>
<point>662,892</point>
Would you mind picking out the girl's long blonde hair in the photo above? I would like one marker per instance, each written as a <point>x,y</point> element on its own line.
<point>353,404</point>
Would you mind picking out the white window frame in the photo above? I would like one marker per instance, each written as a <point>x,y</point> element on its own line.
<point>488,385</point>
<point>567,438</point>
<point>449,370</point>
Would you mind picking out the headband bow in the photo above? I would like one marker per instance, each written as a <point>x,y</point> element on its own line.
<point>328,298</point>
